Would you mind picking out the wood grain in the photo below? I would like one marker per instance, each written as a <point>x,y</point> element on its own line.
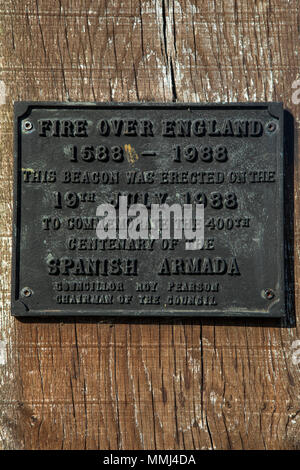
<point>204,384</point>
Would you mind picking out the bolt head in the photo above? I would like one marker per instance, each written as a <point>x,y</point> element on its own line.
<point>27,125</point>
<point>26,292</point>
<point>271,126</point>
<point>269,294</point>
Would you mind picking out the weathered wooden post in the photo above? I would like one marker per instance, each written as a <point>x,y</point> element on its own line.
<point>200,383</point>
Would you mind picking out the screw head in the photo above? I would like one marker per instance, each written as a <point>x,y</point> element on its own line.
<point>269,294</point>
<point>28,126</point>
<point>271,126</point>
<point>26,292</point>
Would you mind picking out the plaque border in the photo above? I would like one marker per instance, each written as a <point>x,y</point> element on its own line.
<point>277,308</point>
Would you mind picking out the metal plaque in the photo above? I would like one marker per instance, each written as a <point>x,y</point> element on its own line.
<point>73,158</point>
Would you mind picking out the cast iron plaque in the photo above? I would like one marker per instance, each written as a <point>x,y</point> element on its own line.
<point>72,157</point>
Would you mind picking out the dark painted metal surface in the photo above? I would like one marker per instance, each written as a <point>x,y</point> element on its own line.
<point>71,157</point>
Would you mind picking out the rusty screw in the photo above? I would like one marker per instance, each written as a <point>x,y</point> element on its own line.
<point>27,126</point>
<point>26,292</point>
<point>269,294</point>
<point>271,126</point>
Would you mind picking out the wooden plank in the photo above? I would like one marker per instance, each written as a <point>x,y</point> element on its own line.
<point>146,384</point>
